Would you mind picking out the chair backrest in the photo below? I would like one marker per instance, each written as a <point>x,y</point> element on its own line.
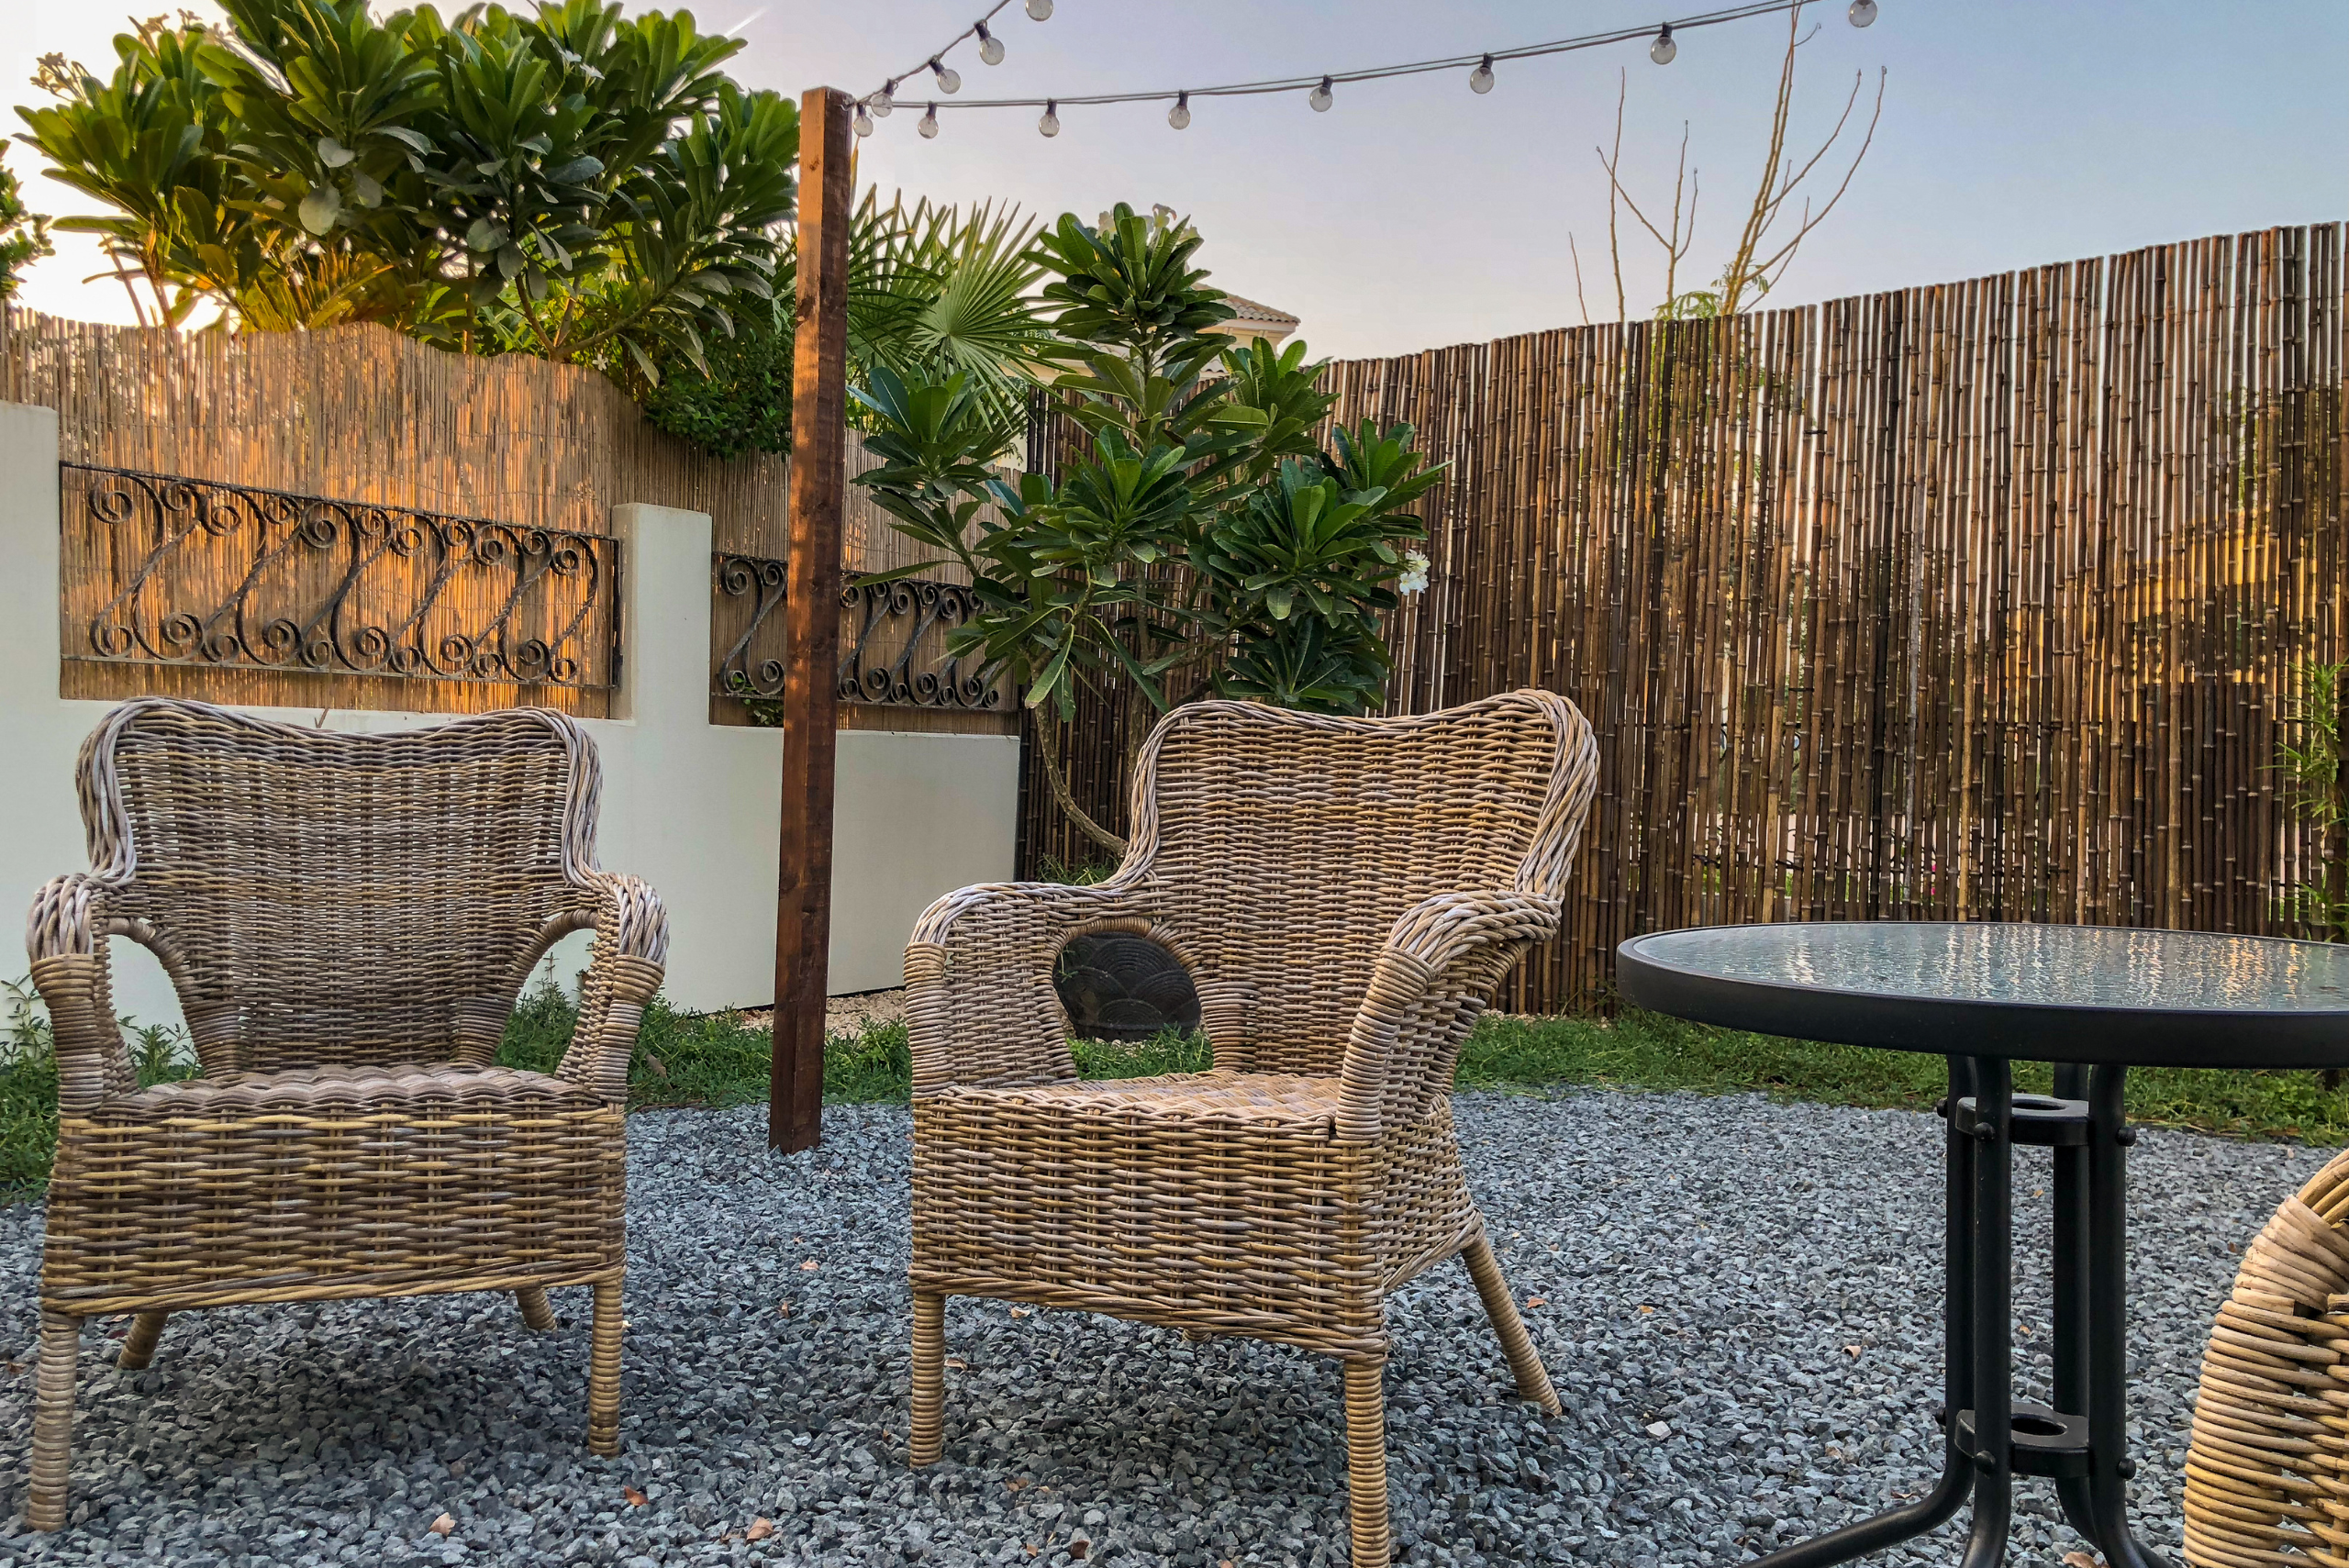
<point>324,899</point>
<point>1283,846</point>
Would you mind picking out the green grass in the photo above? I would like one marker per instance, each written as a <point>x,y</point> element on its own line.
<point>715,1060</point>
<point>1644,1051</point>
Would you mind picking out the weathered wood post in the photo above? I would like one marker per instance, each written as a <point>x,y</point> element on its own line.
<point>802,926</point>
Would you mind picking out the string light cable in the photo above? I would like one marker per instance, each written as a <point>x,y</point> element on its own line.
<point>878,103</point>
<point>1320,86</point>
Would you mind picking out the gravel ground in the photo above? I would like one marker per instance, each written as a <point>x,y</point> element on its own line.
<point>1739,1305</point>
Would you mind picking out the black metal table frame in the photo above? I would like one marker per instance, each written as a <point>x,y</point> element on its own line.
<point>2081,1443</point>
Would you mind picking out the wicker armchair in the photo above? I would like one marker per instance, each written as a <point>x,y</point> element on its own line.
<point>347,920</point>
<point>2267,1470</point>
<point>1347,894</point>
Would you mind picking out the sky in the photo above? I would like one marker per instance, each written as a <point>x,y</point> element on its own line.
<point>1416,214</point>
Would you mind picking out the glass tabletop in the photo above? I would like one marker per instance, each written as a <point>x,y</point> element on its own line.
<point>2064,993</point>
<point>2081,966</point>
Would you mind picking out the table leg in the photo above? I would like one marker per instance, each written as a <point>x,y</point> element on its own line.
<point>2071,1324</point>
<point>2109,1467</point>
<point>2082,1443</point>
<point>1993,1402</point>
<point>1939,1505</point>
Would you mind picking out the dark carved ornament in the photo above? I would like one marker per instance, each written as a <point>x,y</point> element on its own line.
<point>893,641</point>
<point>197,572</point>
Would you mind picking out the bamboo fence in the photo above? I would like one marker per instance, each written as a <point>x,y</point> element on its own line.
<point>1980,600</point>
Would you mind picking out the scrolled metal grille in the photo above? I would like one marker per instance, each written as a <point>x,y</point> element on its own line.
<point>190,571</point>
<point>893,641</point>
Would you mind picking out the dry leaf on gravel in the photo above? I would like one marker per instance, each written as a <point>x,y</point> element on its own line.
<point>1537,1301</point>
<point>760,1530</point>
<point>635,1498</point>
<point>808,1267</point>
<point>443,1525</point>
<point>2082,1559</point>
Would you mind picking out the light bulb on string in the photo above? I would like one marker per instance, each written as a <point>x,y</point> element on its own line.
<point>1320,99</point>
<point>1862,13</point>
<point>929,125</point>
<point>1663,48</point>
<point>949,79</point>
<point>1481,79</point>
<point>990,46</point>
<point>1049,123</point>
<point>881,103</point>
<point>1039,10</point>
<point>1179,116</point>
<point>863,124</point>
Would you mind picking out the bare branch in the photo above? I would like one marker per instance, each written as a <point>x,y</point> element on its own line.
<point>1580,304</point>
<point>1614,189</point>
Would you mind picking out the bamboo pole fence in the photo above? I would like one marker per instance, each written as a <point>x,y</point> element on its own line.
<point>1980,600</point>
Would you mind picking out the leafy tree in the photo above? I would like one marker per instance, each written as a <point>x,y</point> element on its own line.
<point>565,180</point>
<point>1207,543</point>
<point>931,290</point>
<point>24,234</point>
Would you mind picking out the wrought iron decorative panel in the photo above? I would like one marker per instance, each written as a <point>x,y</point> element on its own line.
<point>893,641</point>
<point>165,570</point>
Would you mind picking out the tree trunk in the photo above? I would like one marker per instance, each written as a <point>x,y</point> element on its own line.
<point>1048,741</point>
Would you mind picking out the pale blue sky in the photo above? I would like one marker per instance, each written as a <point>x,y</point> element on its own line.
<point>1417,214</point>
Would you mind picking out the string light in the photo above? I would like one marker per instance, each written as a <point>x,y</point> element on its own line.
<point>863,124</point>
<point>1320,89</point>
<point>929,125</point>
<point>949,80</point>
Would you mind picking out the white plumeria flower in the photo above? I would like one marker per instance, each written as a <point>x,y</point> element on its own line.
<point>1415,572</point>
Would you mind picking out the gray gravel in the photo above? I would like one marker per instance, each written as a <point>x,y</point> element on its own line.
<point>1740,1311</point>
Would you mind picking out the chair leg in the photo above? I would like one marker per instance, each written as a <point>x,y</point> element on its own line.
<point>604,1373</point>
<point>1366,1461</point>
<point>924,1438</point>
<point>45,1498</point>
<point>1532,1382</point>
<point>139,1345</point>
<point>535,1313</point>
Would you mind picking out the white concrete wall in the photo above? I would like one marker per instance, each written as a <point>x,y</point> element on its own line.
<point>690,806</point>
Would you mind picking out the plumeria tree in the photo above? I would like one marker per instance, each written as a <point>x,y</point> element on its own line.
<point>1207,541</point>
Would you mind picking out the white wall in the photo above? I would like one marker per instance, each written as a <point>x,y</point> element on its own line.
<point>691,806</point>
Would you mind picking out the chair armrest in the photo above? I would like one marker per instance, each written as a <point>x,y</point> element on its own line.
<point>980,1006</point>
<point>1442,962</point>
<point>623,970</point>
<point>64,936</point>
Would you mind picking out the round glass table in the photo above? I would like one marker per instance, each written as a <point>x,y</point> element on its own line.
<point>2094,1000</point>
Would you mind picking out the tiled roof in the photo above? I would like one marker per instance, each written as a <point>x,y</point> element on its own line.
<point>1249,311</point>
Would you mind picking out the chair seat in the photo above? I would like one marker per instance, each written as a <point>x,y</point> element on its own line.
<point>428,1089</point>
<point>334,1182</point>
<point>1265,1101</point>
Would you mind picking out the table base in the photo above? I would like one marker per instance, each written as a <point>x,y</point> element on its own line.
<point>2081,1443</point>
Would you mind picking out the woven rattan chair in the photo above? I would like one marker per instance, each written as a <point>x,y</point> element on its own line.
<point>2267,1471</point>
<point>1347,892</point>
<point>347,920</point>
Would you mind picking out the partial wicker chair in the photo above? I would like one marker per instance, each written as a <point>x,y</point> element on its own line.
<point>2267,1471</point>
<point>348,920</point>
<point>1347,892</point>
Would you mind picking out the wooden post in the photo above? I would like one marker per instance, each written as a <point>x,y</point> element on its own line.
<point>803,925</point>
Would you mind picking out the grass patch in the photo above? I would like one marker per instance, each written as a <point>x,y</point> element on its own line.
<point>1646,1051</point>
<point>715,1060</point>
